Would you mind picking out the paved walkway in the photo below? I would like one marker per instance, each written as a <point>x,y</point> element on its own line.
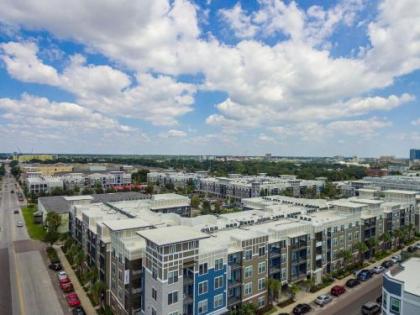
<point>307,297</point>
<point>84,299</point>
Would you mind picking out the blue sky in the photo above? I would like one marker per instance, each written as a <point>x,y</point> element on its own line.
<point>313,78</point>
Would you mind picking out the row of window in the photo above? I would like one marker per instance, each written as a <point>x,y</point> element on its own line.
<point>203,305</point>
<point>203,268</point>
<point>248,252</point>
<point>204,286</point>
<point>262,268</point>
<point>248,286</point>
<point>172,297</point>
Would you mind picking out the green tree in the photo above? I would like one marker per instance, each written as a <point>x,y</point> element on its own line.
<point>205,207</point>
<point>346,255</point>
<point>140,176</point>
<point>149,189</point>
<point>53,221</point>
<point>273,286</point>
<point>51,237</point>
<point>245,309</point>
<point>195,201</point>
<point>362,249</point>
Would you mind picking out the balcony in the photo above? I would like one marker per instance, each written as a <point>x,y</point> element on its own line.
<point>235,265</point>
<point>233,300</point>
<point>318,244</point>
<point>274,270</point>
<point>318,257</point>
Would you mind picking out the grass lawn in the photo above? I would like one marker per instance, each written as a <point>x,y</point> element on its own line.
<point>36,231</point>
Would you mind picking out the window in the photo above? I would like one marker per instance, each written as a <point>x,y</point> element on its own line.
<point>202,269</point>
<point>154,294</point>
<point>218,264</point>
<point>174,313</point>
<point>384,299</point>
<point>248,272</point>
<point>395,305</point>
<point>262,267</point>
<point>248,288</point>
<point>261,284</point>
<point>261,302</point>
<point>172,277</point>
<point>218,301</point>
<point>218,282</point>
<point>154,311</point>
<point>172,297</point>
<point>202,307</point>
<point>203,287</point>
<point>248,254</point>
<point>261,251</point>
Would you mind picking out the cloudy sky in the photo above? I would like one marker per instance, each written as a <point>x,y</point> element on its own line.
<point>307,77</point>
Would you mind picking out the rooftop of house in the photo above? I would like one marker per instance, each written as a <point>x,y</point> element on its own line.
<point>400,192</point>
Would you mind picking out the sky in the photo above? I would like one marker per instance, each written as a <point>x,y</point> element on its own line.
<point>298,78</point>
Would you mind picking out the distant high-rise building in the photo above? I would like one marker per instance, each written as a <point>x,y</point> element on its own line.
<point>414,154</point>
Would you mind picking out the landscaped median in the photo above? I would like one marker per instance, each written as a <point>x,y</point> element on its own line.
<point>36,231</point>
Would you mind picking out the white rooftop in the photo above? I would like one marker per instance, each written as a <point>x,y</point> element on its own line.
<point>125,224</point>
<point>409,275</point>
<point>172,234</point>
<point>402,192</point>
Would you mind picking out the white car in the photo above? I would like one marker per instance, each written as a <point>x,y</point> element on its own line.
<point>396,258</point>
<point>61,275</point>
<point>417,246</point>
<point>19,224</point>
<point>378,269</point>
<point>323,299</point>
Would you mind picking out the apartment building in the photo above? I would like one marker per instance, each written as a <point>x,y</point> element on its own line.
<point>160,262</point>
<point>47,169</point>
<point>239,187</point>
<point>177,179</point>
<point>43,184</point>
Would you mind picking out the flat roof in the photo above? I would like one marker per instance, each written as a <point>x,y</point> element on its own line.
<point>397,191</point>
<point>125,224</point>
<point>172,234</point>
<point>82,197</point>
<point>409,275</point>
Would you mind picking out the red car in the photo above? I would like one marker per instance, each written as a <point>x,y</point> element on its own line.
<point>337,290</point>
<point>64,280</point>
<point>66,287</point>
<point>72,300</point>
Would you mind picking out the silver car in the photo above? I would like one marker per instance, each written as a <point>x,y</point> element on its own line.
<point>323,299</point>
<point>19,224</point>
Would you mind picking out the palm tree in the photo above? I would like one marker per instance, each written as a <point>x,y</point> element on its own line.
<point>346,255</point>
<point>97,289</point>
<point>397,236</point>
<point>361,248</point>
<point>386,238</point>
<point>273,289</point>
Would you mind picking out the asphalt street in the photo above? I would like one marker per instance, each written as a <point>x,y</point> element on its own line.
<point>25,286</point>
<point>350,303</point>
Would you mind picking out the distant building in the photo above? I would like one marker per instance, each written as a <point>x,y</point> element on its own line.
<point>48,169</point>
<point>29,157</point>
<point>414,154</point>
<point>401,289</point>
<point>377,172</point>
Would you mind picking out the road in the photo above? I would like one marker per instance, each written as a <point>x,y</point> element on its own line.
<point>25,285</point>
<point>351,302</point>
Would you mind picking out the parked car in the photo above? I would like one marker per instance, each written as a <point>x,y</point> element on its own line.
<point>371,308</point>
<point>387,264</point>
<point>378,269</point>
<point>323,299</point>
<point>61,275</point>
<point>301,309</point>
<point>417,246</point>
<point>351,283</point>
<point>364,275</point>
<point>78,311</point>
<point>64,280</point>
<point>16,211</point>
<point>19,224</point>
<point>411,249</point>
<point>396,258</point>
<point>55,266</point>
<point>337,290</point>
<point>66,287</point>
<point>72,300</point>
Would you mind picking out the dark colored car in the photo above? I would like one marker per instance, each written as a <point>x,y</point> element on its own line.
<point>379,300</point>
<point>301,309</point>
<point>78,311</point>
<point>371,308</point>
<point>351,283</point>
<point>337,290</point>
<point>16,211</point>
<point>55,266</point>
<point>364,275</point>
<point>411,249</point>
<point>387,264</point>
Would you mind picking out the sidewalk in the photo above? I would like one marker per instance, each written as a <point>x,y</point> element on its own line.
<point>84,299</point>
<point>307,297</point>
